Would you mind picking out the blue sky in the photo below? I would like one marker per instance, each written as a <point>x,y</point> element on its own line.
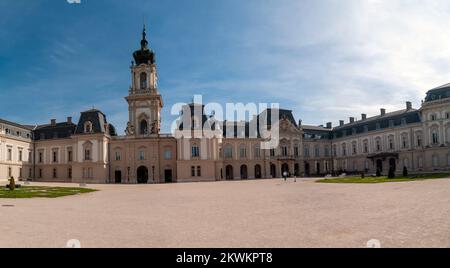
<point>325,59</point>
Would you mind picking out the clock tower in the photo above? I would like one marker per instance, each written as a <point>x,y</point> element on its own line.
<point>144,100</point>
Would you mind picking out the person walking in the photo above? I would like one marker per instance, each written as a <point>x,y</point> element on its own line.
<point>285,175</point>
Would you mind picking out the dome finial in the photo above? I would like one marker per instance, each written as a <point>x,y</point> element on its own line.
<point>144,42</point>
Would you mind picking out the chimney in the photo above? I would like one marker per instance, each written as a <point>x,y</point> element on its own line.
<point>352,120</point>
<point>69,120</point>
<point>408,105</point>
<point>363,116</point>
<point>53,122</point>
<point>329,125</point>
<point>382,111</point>
<point>341,123</point>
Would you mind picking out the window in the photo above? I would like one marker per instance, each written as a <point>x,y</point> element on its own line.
<point>143,127</point>
<point>433,117</point>
<point>20,155</point>
<point>87,155</point>
<point>243,152</point>
<point>9,154</point>
<point>344,149</point>
<point>55,157</point>
<point>41,157</point>
<point>29,173</point>
<point>143,80</point>
<point>366,146</point>
<point>354,148</point>
<point>88,127</point>
<point>334,150</point>
<point>317,151</point>
<point>141,155</point>
<point>391,143</point>
<point>419,140</point>
<point>118,157</point>
<point>30,156</point>
<point>378,145</point>
<point>327,151</point>
<point>284,151</point>
<point>9,172</point>
<point>272,152</point>
<point>447,115</point>
<point>404,141</point>
<point>257,152</point>
<point>306,153</point>
<point>20,172</point>
<point>195,151</point>
<point>435,160</point>
<point>69,156</point>
<point>296,152</point>
<point>192,171</point>
<point>55,175</point>
<point>228,152</point>
<point>199,171</point>
<point>434,137</point>
<point>168,154</point>
<point>391,123</point>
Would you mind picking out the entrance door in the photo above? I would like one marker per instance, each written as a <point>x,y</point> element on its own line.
<point>284,168</point>
<point>380,165</point>
<point>393,164</point>
<point>168,175</point>
<point>307,171</point>
<point>118,176</point>
<point>244,173</point>
<point>229,173</point>
<point>318,168</point>
<point>142,175</point>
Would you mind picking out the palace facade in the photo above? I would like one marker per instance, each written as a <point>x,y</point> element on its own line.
<point>91,151</point>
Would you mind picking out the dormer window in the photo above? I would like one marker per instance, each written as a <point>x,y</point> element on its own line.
<point>143,80</point>
<point>433,117</point>
<point>88,127</point>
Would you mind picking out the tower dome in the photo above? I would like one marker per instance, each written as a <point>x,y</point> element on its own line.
<point>144,55</point>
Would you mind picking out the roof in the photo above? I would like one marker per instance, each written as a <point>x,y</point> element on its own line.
<point>57,131</point>
<point>3,121</point>
<point>96,117</point>
<point>393,119</point>
<point>441,92</point>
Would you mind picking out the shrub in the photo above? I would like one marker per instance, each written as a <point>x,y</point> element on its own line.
<point>391,173</point>
<point>405,172</point>
<point>12,184</point>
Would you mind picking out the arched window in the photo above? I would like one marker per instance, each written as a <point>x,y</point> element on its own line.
<point>404,141</point>
<point>228,152</point>
<point>344,149</point>
<point>143,80</point>
<point>434,137</point>
<point>354,148</point>
<point>378,144</point>
<point>391,143</point>
<point>88,127</point>
<point>366,146</point>
<point>143,127</point>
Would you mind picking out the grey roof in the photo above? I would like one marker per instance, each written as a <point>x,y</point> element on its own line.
<point>3,121</point>
<point>96,117</point>
<point>410,116</point>
<point>441,92</point>
<point>58,131</point>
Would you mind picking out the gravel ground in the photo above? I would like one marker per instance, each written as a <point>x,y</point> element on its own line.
<point>264,213</point>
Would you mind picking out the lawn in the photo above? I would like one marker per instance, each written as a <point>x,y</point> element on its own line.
<point>42,192</point>
<point>382,179</point>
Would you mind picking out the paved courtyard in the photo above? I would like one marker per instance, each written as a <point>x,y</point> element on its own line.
<point>265,213</point>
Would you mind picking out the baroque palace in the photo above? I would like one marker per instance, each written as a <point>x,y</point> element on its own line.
<point>90,150</point>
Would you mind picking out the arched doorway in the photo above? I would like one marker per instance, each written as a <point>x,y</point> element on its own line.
<point>307,169</point>
<point>244,173</point>
<point>118,176</point>
<point>258,174</point>
<point>284,168</point>
<point>273,170</point>
<point>297,170</point>
<point>393,164</point>
<point>229,172</point>
<point>380,165</point>
<point>142,175</point>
